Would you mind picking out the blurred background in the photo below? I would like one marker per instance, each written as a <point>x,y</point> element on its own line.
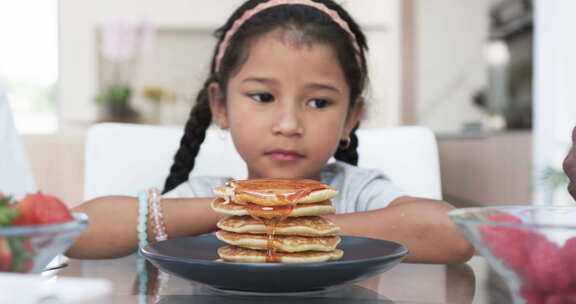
<point>490,77</point>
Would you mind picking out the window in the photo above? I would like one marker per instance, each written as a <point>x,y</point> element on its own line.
<point>29,62</point>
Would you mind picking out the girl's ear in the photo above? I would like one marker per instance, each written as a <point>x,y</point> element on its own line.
<point>217,105</point>
<point>353,117</point>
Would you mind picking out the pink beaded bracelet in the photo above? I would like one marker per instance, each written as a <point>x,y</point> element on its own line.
<point>156,216</point>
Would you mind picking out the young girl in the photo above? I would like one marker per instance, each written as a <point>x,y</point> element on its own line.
<point>286,80</point>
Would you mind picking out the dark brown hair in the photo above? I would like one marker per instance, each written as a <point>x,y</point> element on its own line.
<point>310,23</point>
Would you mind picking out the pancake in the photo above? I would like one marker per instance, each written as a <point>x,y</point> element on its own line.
<point>275,191</point>
<point>325,207</point>
<point>303,226</point>
<point>276,220</point>
<point>237,254</point>
<point>281,243</point>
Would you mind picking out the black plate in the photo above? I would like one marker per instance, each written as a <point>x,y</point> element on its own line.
<point>194,259</point>
<point>338,295</point>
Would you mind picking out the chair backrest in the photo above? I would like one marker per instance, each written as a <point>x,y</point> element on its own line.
<point>407,155</point>
<point>122,159</point>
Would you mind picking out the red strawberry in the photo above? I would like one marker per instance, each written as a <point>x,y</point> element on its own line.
<point>5,255</point>
<point>547,268</point>
<point>40,209</point>
<point>504,217</point>
<point>31,254</point>
<point>533,296</point>
<point>569,252</point>
<point>510,244</point>
<point>562,298</point>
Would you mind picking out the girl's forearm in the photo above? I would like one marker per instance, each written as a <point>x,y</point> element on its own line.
<point>422,225</point>
<point>112,224</point>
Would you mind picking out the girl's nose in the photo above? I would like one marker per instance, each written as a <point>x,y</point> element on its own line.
<point>288,121</point>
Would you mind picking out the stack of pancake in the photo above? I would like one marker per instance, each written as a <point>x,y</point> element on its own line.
<point>276,221</point>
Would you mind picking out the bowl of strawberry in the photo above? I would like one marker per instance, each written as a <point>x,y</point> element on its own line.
<point>34,230</point>
<point>532,247</point>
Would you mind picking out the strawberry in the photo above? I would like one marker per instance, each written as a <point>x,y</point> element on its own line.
<point>510,244</point>
<point>562,298</point>
<point>547,268</point>
<point>533,296</point>
<point>505,241</point>
<point>40,209</point>
<point>569,253</point>
<point>537,261</point>
<point>5,255</point>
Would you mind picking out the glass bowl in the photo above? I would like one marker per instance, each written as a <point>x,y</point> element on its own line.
<point>532,247</point>
<point>28,249</point>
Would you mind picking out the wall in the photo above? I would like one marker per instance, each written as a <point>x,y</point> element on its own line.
<point>555,96</point>
<point>78,57</point>
<point>449,67</point>
<point>57,163</point>
<point>382,24</point>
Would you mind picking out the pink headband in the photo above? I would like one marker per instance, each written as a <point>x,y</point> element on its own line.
<point>272,3</point>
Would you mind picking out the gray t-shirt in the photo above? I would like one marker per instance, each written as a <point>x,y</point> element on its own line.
<point>360,189</point>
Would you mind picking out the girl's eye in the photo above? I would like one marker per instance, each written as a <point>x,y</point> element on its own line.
<point>262,97</point>
<point>318,103</point>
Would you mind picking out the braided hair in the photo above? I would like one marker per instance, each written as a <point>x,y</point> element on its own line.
<point>314,26</point>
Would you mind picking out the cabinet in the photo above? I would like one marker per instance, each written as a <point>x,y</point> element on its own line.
<point>487,170</point>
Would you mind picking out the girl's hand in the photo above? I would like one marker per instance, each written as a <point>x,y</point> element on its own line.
<point>570,165</point>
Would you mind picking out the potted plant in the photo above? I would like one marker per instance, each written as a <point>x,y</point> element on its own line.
<point>123,43</point>
<point>115,102</point>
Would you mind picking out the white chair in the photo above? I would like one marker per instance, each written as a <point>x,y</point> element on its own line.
<point>15,174</point>
<point>122,159</point>
<point>407,155</point>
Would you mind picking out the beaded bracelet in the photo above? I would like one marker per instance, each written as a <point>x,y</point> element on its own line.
<point>142,280</point>
<point>141,227</point>
<point>156,215</point>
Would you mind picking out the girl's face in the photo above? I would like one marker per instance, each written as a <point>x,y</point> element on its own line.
<point>287,107</point>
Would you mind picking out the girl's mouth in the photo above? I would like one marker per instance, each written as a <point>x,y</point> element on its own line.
<point>284,155</point>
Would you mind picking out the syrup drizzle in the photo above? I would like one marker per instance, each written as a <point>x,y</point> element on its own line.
<point>285,192</point>
<point>282,191</point>
<point>270,216</point>
<point>270,249</point>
